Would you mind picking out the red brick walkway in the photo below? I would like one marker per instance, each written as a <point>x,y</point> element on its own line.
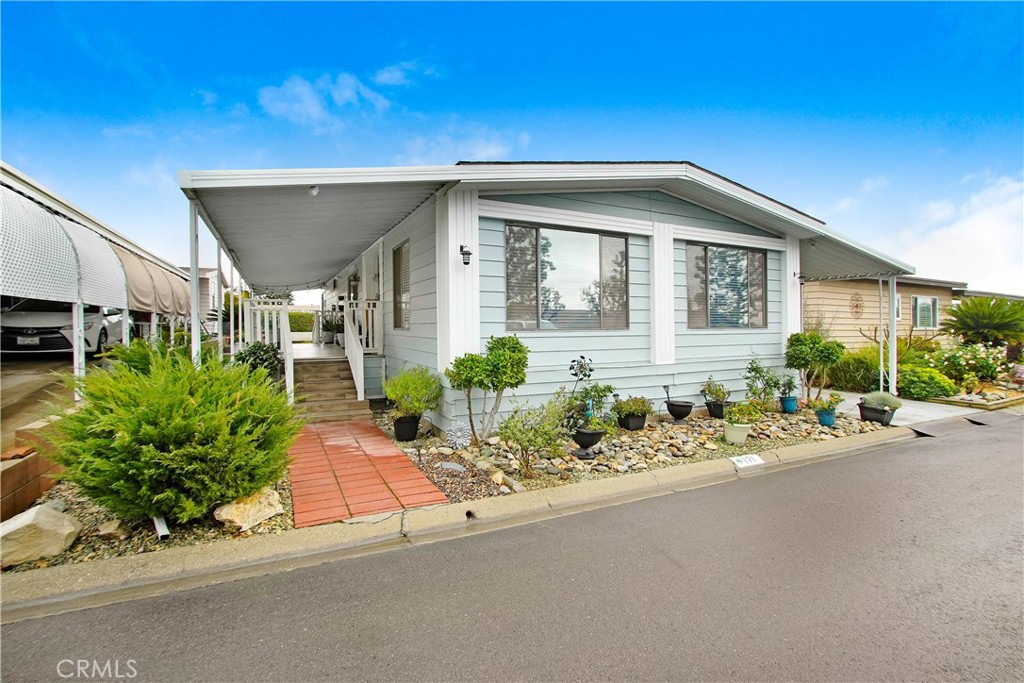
<point>350,469</point>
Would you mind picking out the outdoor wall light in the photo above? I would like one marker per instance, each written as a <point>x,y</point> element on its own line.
<point>466,253</point>
<point>314,190</point>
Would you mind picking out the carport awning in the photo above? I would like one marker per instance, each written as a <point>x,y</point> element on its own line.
<point>828,258</point>
<point>152,288</point>
<point>37,260</point>
<point>103,281</point>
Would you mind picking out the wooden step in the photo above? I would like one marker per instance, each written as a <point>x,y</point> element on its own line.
<point>331,405</point>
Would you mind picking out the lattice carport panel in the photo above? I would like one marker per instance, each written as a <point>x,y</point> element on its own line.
<point>103,281</point>
<point>37,260</point>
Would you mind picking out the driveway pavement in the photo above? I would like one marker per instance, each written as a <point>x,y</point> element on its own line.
<point>26,383</point>
<point>899,564</point>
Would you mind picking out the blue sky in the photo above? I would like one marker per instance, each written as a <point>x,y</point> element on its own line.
<point>898,124</point>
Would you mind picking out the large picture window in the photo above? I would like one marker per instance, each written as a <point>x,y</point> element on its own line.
<point>725,287</point>
<point>400,288</point>
<point>559,279</point>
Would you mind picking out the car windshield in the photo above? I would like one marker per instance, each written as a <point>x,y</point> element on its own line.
<point>41,306</point>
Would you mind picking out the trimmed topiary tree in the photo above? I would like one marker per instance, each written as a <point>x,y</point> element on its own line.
<point>502,367</point>
<point>174,440</point>
<point>812,355</point>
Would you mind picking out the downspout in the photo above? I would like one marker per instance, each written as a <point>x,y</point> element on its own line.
<point>881,340</point>
<point>892,335</point>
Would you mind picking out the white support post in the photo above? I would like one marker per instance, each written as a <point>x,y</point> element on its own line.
<point>663,312</point>
<point>172,322</point>
<point>231,311</point>
<point>458,285</point>
<point>247,321</point>
<point>792,305</point>
<point>193,249</point>
<point>126,327</point>
<point>274,327</point>
<point>241,314</point>
<point>881,338</point>
<point>220,307</point>
<point>892,335</point>
<point>78,342</point>
<point>289,356</point>
<point>154,327</point>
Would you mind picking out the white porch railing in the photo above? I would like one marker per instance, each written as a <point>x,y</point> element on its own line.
<point>266,320</point>
<point>354,351</point>
<point>369,325</point>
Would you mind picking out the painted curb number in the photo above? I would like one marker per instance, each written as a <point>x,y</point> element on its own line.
<point>742,461</point>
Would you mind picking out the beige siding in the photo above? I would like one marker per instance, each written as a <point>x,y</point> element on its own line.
<point>848,307</point>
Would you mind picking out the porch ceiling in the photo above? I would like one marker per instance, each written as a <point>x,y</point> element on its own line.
<point>283,238</point>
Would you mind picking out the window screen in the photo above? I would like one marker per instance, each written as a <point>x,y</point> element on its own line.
<point>725,287</point>
<point>400,290</point>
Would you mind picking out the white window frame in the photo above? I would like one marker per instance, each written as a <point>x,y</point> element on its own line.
<point>401,301</point>
<point>899,308</point>
<point>707,292</point>
<point>915,302</point>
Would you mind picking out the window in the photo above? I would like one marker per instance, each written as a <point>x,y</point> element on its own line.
<point>725,287</point>
<point>558,279</point>
<point>926,312</point>
<point>400,289</point>
<point>899,307</point>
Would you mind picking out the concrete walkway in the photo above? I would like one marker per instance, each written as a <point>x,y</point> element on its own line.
<point>350,469</point>
<point>912,412</point>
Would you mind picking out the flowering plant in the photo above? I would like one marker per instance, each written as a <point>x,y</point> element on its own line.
<point>985,362</point>
<point>831,402</point>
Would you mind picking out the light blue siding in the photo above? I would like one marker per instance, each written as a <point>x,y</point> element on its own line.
<point>650,206</point>
<point>623,357</point>
<point>373,380</point>
<point>418,344</point>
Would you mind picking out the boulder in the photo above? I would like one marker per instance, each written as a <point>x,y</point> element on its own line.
<point>37,532</point>
<point>112,529</point>
<point>245,513</point>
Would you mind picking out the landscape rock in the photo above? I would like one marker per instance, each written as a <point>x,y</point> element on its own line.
<point>245,513</point>
<point>112,528</point>
<point>444,450</point>
<point>38,532</point>
<point>57,504</point>
<point>453,466</point>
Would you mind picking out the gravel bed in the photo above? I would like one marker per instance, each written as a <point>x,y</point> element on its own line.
<point>140,536</point>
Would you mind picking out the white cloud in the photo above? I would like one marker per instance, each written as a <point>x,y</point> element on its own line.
<point>869,185</point>
<point>468,143</point>
<point>134,131</point>
<point>298,101</point>
<point>402,73</point>
<point>981,242</point>
<point>347,90</point>
<point>936,212</point>
<point>209,98</point>
<point>846,203</point>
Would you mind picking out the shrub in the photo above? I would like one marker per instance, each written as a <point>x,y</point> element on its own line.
<point>634,405</point>
<point>787,386</point>
<point>301,321</point>
<point>532,431</point>
<point>138,354</point>
<point>985,362</point>
<point>713,391</point>
<point>502,367</point>
<point>882,399</point>
<point>332,322</point>
<point>856,371</point>
<point>742,414</point>
<point>831,402</point>
<point>414,391</point>
<point>917,382</point>
<point>992,321</point>
<point>175,440</point>
<point>260,355</point>
<point>763,384</point>
<point>813,356</point>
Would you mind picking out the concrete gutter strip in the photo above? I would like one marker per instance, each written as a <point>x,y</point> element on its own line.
<point>53,590</point>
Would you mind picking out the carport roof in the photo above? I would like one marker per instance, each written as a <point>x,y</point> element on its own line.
<point>288,229</point>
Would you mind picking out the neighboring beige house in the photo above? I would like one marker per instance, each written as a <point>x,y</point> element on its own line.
<point>848,309</point>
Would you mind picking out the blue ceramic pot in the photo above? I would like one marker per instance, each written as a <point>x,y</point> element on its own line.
<point>788,404</point>
<point>826,418</point>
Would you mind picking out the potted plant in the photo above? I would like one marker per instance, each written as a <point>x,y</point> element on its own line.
<point>679,410</point>
<point>332,324</point>
<point>878,406</point>
<point>414,391</point>
<point>716,397</point>
<point>826,408</point>
<point>739,418</point>
<point>587,434</point>
<point>632,413</point>
<point>787,397</point>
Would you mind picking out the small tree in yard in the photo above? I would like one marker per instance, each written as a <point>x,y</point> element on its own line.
<point>502,367</point>
<point>532,431</point>
<point>812,355</point>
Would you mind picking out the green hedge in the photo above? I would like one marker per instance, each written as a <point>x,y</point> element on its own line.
<point>301,321</point>
<point>856,371</point>
<point>917,382</point>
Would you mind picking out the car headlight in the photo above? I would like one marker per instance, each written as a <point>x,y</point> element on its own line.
<point>69,328</point>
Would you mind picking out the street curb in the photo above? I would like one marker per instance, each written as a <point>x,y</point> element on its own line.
<point>64,588</point>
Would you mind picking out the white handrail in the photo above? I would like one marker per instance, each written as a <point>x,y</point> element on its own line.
<point>368,330</point>
<point>354,352</point>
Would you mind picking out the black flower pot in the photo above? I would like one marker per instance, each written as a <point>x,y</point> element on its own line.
<point>679,410</point>
<point>717,408</point>
<point>585,438</point>
<point>879,415</point>
<point>632,422</point>
<point>406,427</point>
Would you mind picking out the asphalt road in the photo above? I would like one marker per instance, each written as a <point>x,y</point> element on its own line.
<point>902,564</point>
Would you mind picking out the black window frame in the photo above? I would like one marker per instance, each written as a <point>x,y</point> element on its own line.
<point>537,227</point>
<point>707,287</point>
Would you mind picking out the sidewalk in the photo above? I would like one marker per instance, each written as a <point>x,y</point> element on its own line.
<point>912,412</point>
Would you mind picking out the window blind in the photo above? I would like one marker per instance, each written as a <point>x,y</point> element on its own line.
<point>400,290</point>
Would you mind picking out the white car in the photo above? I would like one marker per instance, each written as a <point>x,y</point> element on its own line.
<point>35,326</point>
